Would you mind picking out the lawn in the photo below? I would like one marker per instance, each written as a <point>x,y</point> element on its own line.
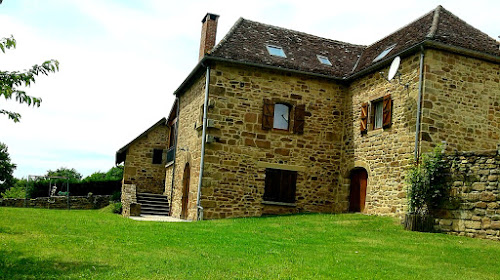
<point>94,244</point>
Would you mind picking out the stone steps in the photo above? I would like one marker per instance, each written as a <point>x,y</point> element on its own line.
<point>153,204</point>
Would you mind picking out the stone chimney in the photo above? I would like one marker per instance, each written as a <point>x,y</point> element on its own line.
<point>208,32</point>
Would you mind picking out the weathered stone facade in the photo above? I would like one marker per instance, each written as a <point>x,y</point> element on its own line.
<point>235,164</point>
<point>139,168</point>
<point>475,207</point>
<point>385,152</point>
<point>188,149</point>
<point>461,102</point>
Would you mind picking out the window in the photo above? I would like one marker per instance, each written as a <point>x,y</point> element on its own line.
<point>378,113</point>
<point>157,156</point>
<point>384,53</point>
<point>280,185</point>
<point>281,116</point>
<point>276,51</point>
<point>324,60</point>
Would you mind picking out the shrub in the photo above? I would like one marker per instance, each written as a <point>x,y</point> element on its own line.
<point>15,192</point>
<point>427,186</point>
<point>117,207</point>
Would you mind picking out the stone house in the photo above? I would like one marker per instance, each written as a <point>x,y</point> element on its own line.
<point>274,121</point>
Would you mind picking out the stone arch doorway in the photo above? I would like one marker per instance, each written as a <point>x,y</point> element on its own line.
<point>357,197</point>
<point>185,191</point>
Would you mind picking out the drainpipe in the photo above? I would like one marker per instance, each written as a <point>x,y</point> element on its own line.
<point>419,104</point>
<point>203,141</point>
<point>178,101</point>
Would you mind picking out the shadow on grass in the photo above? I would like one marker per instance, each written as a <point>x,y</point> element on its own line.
<point>14,265</point>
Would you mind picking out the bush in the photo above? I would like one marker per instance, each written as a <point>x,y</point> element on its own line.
<point>76,188</point>
<point>116,196</point>
<point>427,186</point>
<point>15,192</point>
<point>117,207</point>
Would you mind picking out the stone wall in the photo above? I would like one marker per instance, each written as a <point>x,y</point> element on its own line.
<point>129,196</point>
<point>188,149</point>
<point>60,202</point>
<point>476,196</point>
<point>139,168</point>
<point>235,165</point>
<point>461,102</point>
<point>384,153</point>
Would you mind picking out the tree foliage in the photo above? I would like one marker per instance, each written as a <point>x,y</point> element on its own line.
<point>71,174</point>
<point>10,81</point>
<point>7,180</point>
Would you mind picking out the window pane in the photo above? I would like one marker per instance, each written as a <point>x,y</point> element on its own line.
<point>276,51</point>
<point>378,114</point>
<point>281,116</point>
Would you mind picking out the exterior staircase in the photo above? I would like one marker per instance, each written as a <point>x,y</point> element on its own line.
<point>153,204</point>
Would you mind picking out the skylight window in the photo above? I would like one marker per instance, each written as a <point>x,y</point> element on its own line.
<point>276,51</point>
<point>384,53</point>
<point>324,60</point>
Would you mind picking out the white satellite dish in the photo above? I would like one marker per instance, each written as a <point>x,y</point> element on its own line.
<point>394,68</point>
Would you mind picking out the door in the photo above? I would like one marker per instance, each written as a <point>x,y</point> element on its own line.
<point>185,192</point>
<point>359,178</point>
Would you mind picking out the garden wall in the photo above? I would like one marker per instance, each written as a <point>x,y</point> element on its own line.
<point>474,210</point>
<point>60,202</point>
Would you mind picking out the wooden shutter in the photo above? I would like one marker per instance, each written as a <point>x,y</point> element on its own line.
<point>299,120</point>
<point>272,188</point>
<point>364,118</point>
<point>387,116</point>
<point>267,114</point>
<point>288,186</point>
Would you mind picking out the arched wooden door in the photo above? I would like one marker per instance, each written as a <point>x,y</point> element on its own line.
<point>359,180</point>
<point>185,191</point>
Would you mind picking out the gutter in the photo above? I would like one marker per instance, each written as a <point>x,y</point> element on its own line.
<point>419,104</point>
<point>199,208</point>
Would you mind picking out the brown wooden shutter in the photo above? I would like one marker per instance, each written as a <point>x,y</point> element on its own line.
<point>272,187</point>
<point>267,114</point>
<point>387,116</point>
<point>364,118</point>
<point>299,120</point>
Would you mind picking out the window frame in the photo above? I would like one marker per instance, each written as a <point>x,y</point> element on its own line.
<point>280,186</point>
<point>157,154</point>
<point>324,60</point>
<point>377,110</point>
<point>276,51</point>
<point>290,107</point>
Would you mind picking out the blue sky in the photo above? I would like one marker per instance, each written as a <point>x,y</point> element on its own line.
<point>121,61</point>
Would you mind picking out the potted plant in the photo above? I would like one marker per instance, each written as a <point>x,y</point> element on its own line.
<point>426,190</point>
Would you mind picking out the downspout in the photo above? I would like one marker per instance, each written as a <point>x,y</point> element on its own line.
<point>419,104</point>
<point>178,101</point>
<point>203,141</point>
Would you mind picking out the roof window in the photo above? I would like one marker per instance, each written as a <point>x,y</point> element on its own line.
<point>384,53</point>
<point>276,51</point>
<point>324,60</point>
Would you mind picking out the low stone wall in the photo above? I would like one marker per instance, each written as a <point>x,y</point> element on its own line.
<point>474,210</point>
<point>129,196</point>
<point>60,202</point>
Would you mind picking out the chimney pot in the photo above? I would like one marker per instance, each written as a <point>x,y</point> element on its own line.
<point>208,33</point>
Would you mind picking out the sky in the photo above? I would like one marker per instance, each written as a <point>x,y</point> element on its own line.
<point>121,61</point>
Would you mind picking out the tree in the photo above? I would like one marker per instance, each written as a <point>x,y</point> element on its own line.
<point>115,173</point>
<point>6,169</point>
<point>11,80</point>
<point>71,174</point>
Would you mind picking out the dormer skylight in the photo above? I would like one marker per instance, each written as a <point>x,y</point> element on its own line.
<point>276,51</point>
<point>384,53</point>
<point>324,60</point>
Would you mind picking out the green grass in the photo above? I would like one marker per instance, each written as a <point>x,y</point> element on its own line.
<point>94,244</point>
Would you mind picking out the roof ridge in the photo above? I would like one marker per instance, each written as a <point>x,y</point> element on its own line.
<point>228,35</point>
<point>304,33</point>
<point>399,29</point>
<point>435,22</point>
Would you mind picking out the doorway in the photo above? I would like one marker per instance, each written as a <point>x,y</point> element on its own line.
<point>185,191</point>
<point>359,180</point>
